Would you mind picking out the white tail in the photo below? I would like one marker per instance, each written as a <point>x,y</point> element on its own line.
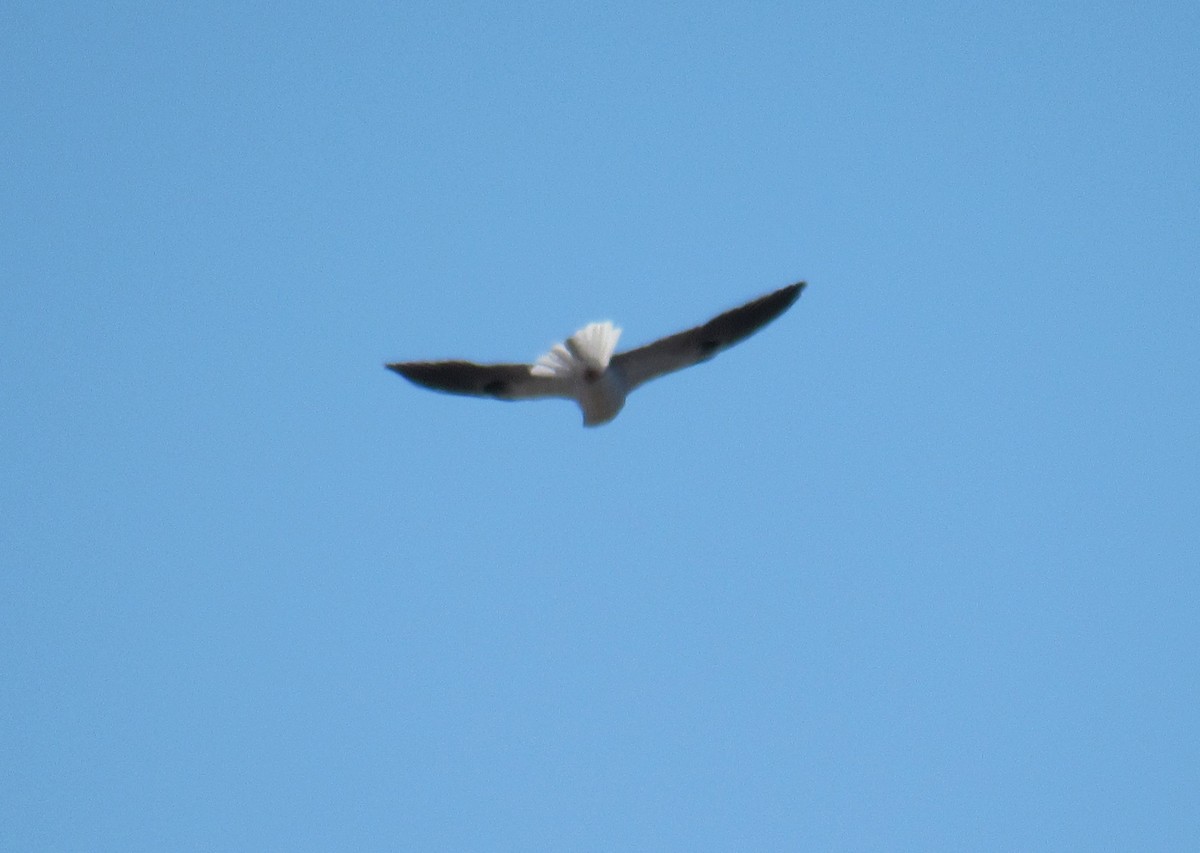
<point>589,348</point>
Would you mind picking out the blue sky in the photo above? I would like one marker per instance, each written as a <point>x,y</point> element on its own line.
<point>914,568</point>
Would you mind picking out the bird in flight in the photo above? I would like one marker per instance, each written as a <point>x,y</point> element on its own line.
<point>585,368</point>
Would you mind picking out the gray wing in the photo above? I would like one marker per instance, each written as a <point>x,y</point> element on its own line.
<point>502,381</point>
<point>703,342</point>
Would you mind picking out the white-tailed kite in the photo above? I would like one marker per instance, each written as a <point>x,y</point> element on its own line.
<point>584,368</point>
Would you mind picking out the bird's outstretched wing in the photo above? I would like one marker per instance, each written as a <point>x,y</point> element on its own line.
<point>503,381</point>
<point>703,342</point>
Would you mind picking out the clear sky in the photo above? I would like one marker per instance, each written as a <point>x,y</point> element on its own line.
<point>915,568</point>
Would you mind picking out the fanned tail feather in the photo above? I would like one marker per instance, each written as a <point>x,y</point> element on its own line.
<point>557,363</point>
<point>590,348</point>
<point>594,344</point>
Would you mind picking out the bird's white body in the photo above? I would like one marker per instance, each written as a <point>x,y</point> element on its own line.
<point>602,398</point>
<point>581,364</point>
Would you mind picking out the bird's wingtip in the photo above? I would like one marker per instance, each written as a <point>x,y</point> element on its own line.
<point>785,296</point>
<point>792,293</point>
<point>403,368</point>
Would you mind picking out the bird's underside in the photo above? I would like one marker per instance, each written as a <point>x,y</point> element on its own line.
<point>585,368</point>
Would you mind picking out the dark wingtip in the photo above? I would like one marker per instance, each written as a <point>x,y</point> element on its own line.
<point>781,300</point>
<point>408,371</point>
